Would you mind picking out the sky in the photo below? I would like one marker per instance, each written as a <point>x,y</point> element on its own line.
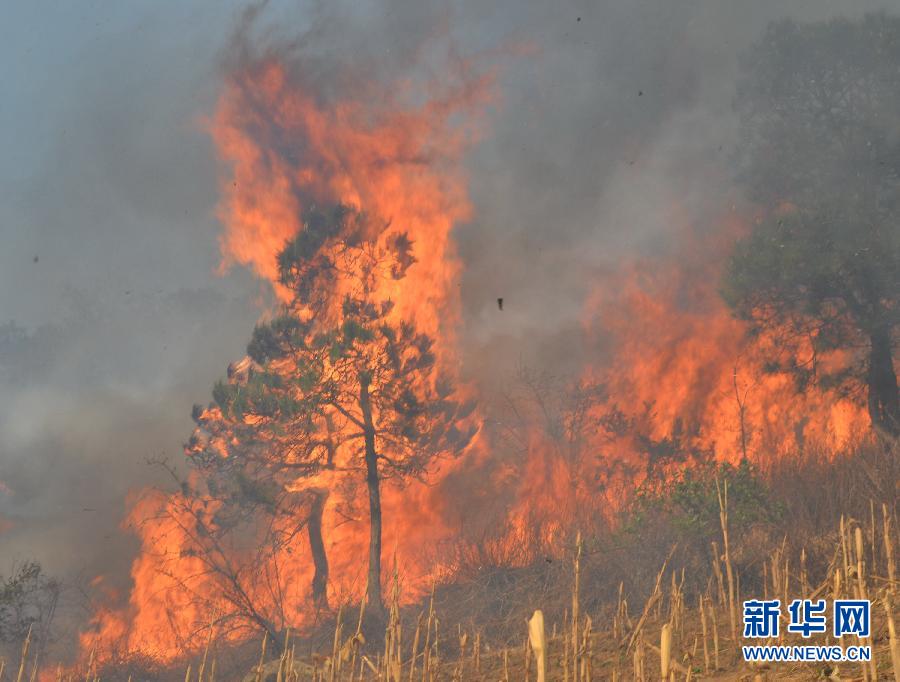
<point>114,316</point>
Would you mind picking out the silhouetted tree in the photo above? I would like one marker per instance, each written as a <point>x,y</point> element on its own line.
<point>819,106</point>
<point>28,601</point>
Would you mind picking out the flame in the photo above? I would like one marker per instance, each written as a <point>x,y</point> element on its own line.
<point>675,373</point>
<point>682,359</point>
<point>396,158</point>
<point>674,365</point>
<point>396,163</point>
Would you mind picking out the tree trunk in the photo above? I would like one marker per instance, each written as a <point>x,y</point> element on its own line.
<point>373,482</point>
<point>884,402</point>
<point>317,547</point>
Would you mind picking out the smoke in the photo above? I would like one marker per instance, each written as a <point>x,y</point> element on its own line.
<point>610,114</point>
<point>112,319</point>
<point>616,135</point>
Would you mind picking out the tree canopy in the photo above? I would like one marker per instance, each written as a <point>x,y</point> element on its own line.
<point>336,382</point>
<point>819,106</point>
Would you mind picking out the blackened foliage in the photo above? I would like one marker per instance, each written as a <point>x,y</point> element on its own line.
<point>27,601</point>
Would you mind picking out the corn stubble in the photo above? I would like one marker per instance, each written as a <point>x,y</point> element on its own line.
<point>667,641</point>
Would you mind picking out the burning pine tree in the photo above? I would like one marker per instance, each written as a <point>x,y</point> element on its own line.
<point>337,390</point>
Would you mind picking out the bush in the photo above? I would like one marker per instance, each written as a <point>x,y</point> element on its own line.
<point>689,503</point>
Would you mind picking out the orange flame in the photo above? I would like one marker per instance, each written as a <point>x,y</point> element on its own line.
<point>285,151</point>
<point>677,349</point>
<point>398,164</point>
<point>675,363</point>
